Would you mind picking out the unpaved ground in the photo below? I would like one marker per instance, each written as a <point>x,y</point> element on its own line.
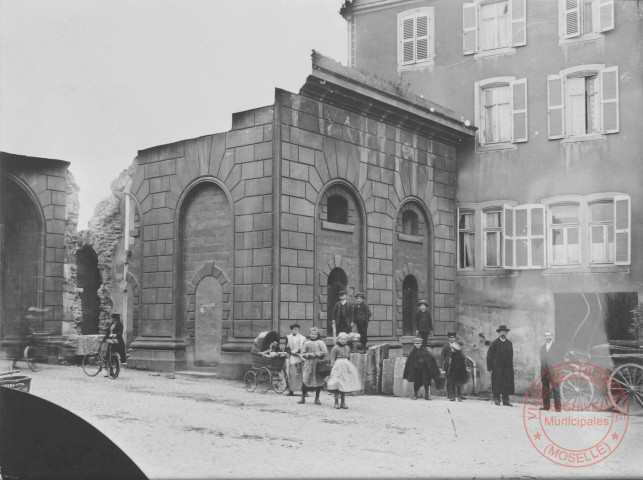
<point>186,428</point>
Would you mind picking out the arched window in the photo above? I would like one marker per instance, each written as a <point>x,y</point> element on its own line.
<point>337,209</point>
<point>410,223</point>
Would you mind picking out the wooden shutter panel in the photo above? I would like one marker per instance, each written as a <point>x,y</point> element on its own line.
<point>606,15</point>
<point>508,237</point>
<point>622,221</point>
<point>470,28</point>
<point>537,244</point>
<point>571,18</point>
<point>519,110</point>
<point>555,106</point>
<point>518,22</point>
<point>408,41</point>
<point>422,38</point>
<point>609,100</point>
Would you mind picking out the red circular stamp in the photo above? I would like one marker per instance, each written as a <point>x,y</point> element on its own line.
<point>571,417</point>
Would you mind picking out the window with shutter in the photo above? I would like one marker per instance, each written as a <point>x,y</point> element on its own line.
<point>501,111</point>
<point>622,222</point>
<point>491,27</point>
<point>415,33</point>
<point>583,102</point>
<point>509,261</point>
<point>582,18</point>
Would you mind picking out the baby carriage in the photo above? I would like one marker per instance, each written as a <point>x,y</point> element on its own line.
<point>267,365</point>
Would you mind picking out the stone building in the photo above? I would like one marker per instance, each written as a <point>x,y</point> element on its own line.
<point>550,219</point>
<point>349,184</point>
<point>34,221</point>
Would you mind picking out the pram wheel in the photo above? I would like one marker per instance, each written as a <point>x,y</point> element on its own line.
<point>250,379</point>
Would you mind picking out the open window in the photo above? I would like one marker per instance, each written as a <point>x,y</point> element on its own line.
<point>494,26</point>
<point>501,106</point>
<point>585,18</point>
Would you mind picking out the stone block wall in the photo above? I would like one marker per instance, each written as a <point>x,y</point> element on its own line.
<point>381,167</point>
<point>34,193</point>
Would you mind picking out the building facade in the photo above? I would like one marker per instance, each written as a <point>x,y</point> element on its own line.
<point>33,223</point>
<point>348,185</point>
<point>550,209</point>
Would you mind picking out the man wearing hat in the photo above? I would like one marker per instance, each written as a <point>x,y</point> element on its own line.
<point>294,343</point>
<point>551,356</point>
<point>420,368</point>
<point>456,372</point>
<point>114,337</point>
<point>447,350</point>
<point>342,314</point>
<point>361,317</point>
<point>500,363</point>
<point>422,323</point>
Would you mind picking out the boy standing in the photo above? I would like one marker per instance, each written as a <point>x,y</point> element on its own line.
<point>361,317</point>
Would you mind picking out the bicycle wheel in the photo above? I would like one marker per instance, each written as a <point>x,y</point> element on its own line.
<point>114,365</point>
<point>264,380</point>
<point>279,381</point>
<point>91,364</point>
<point>250,379</point>
<point>30,358</point>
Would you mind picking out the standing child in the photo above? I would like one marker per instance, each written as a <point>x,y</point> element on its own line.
<point>313,351</point>
<point>420,368</point>
<point>344,377</point>
<point>294,345</point>
<point>456,373</point>
<point>361,317</point>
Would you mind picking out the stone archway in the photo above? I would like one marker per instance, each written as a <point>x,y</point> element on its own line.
<point>209,300</point>
<point>409,303</point>
<point>21,259</point>
<point>88,279</point>
<point>337,281</point>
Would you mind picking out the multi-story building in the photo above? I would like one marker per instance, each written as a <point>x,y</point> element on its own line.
<point>550,207</point>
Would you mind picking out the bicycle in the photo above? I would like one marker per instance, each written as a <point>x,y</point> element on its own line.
<point>29,354</point>
<point>94,362</point>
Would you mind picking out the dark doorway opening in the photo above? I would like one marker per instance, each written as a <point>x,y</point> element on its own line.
<point>409,303</point>
<point>88,278</point>
<point>21,233</point>
<point>337,281</point>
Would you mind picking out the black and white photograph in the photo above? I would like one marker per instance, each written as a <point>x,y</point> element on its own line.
<point>289,239</point>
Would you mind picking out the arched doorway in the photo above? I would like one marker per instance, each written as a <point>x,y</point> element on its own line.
<point>89,279</point>
<point>21,237</point>
<point>206,238</point>
<point>409,303</point>
<point>337,281</point>
<point>208,317</point>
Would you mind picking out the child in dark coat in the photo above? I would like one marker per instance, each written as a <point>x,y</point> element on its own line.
<point>456,372</point>
<point>420,368</point>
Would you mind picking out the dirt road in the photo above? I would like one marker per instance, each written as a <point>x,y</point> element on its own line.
<point>186,428</point>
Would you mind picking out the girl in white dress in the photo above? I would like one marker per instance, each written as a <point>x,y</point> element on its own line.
<point>344,377</point>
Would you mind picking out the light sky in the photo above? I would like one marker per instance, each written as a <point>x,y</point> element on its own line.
<point>94,81</point>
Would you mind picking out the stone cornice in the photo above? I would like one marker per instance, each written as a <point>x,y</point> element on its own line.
<point>345,88</point>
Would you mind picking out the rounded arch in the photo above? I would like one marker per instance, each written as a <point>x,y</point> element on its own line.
<point>355,268</point>
<point>22,237</point>
<point>219,231</point>
<point>413,256</point>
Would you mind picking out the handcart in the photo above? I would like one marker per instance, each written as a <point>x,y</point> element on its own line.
<point>267,371</point>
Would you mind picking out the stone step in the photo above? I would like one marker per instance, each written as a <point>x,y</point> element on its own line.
<point>203,373</point>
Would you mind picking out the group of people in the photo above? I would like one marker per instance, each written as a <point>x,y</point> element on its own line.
<point>347,316</point>
<point>304,373</point>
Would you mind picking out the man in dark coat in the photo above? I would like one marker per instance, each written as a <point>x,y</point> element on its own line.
<point>551,356</point>
<point>422,323</point>
<point>361,317</point>
<point>456,372</point>
<point>114,337</point>
<point>447,349</point>
<point>342,314</point>
<point>500,363</point>
<point>420,368</point>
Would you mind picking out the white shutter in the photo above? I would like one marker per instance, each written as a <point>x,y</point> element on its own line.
<point>555,106</point>
<point>609,100</point>
<point>518,22</point>
<point>470,28</point>
<point>537,244</point>
<point>422,38</point>
<point>408,41</point>
<point>519,110</point>
<point>508,237</point>
<point>606,15</point>
<point>622,239</point>
<point>571,18</point>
